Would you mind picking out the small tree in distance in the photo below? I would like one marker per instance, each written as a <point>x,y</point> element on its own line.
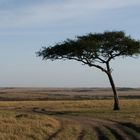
<point>95,50</point>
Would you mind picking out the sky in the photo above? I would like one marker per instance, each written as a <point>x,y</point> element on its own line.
<point>26,26</point>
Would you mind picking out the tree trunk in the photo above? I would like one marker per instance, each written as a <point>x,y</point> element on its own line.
<point>116,98</point>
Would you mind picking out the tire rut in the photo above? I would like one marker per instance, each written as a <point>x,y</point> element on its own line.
<point>100,134</point>
<point>54,135</point>
<point>129,132</point>
<point>120,131</point>
<point>117,134</point>
<point>123,132</point>
<point>81,135</point>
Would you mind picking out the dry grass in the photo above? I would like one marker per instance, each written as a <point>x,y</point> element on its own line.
<point>70,130</point>
<point>18,94</point>
<point>69,119</point>
<point>19,121</point>
<point>59,105</point>
<point>17,126</point>
<point>71,105</point>
<point>129,108</point>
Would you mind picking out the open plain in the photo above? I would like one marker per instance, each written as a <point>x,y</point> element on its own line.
<point>68,114</point>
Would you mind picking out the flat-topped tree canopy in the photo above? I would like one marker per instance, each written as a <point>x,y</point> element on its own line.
<point>91,48</point>
<point>94,49</point>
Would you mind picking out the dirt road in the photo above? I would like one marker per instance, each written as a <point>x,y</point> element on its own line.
<point>96,129</point>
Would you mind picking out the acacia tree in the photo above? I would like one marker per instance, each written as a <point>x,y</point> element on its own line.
<point>95,50</point>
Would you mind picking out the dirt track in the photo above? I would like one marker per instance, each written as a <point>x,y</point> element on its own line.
<point>101,129</point>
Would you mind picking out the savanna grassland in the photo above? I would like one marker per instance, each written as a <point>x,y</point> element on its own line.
<point>68,114</point>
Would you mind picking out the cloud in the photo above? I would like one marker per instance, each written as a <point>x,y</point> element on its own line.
<point>45,13</point>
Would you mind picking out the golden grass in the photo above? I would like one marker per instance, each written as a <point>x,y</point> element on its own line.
<point>15,126</point>
<point>130,109</point>
<point>71,105</point>
<point>70,130</point>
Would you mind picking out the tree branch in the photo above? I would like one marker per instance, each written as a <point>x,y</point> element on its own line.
<point>85,62</point>
<point>114,55</point>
